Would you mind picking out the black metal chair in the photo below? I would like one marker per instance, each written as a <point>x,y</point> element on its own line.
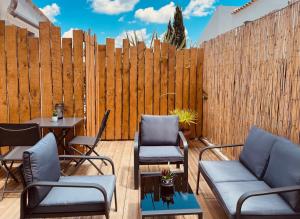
<point>158,143</point>
<point>90,144</point>
<point>19,137</point>
<point>48,194</point>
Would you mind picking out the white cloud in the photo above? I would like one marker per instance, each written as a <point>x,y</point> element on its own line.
<point>121,19</point>
<point>113,6</point>
<point>199,8</point>
<point>141,35</point>
<point>51,11</point>
<point>160,16</point>
<point>69,33</point>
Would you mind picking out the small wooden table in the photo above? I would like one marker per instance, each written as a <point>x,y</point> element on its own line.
<point>65,125</point>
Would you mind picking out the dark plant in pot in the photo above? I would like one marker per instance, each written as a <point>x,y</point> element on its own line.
<point>187,118</point>
<point>167,178</point>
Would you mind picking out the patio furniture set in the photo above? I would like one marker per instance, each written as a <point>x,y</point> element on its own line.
<point>263,184</point>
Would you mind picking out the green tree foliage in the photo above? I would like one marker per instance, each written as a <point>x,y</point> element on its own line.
<point>175,34</point>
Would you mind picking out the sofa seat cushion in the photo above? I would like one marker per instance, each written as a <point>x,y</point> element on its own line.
<point>160,154</point>
<point>256,151</point>
<point>283,170</point>
<point>226,171</point>
<point>159,130</point>
<point>70,200</point>
<point>269,205</point>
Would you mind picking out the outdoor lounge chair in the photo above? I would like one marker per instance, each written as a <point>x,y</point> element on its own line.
<point>19,137</point>
<point>158,143</point>
<point>48,194</point>
<point>90,143</point>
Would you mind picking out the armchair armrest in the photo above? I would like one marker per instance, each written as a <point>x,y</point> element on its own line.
<point>184,142</point>
<point>60,184</point>
<point>136,143</point>
<point>90,158</point>
<point>217,147</point>
<point>248,195</point>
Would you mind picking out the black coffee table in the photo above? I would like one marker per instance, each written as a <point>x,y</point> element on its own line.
<point>157,200</point>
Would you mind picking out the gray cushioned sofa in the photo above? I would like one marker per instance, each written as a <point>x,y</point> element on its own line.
<point>263,184</point>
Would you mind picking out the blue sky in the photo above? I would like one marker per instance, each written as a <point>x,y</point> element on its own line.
<point>113,18</point>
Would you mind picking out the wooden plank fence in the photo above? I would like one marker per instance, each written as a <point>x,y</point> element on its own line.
<point>251,77</point>
<point>37,73</point>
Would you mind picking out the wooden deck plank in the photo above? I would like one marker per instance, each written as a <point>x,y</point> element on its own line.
<point>121,153</point>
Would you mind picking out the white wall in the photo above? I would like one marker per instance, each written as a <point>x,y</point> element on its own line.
<point>223,20</point>
<point>24,8</point>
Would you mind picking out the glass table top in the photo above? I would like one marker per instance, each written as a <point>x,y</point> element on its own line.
<point>160,200</point>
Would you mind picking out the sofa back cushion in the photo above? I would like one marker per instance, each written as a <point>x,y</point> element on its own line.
<point>284,170</point>
<point>41,163</point>
<point>256,151</point>
<point>159,130</point>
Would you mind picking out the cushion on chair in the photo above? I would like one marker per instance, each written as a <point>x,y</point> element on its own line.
<point>160,154</point>
<point>256,151</point>
<point>284,170</point>
<point>226,171</point>
<point>272,206</point>
<point>159,130</point>
<point>78,199</point>
<point>41,163</point>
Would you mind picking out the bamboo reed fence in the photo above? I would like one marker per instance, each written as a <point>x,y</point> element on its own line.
<point>252,77</point>
<point>37,73</point>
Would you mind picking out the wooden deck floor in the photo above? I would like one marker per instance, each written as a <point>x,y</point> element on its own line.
<point>128,199</point>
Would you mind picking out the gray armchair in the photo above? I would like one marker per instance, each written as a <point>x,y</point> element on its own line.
<point>158,143</point>
<point>48,194</point>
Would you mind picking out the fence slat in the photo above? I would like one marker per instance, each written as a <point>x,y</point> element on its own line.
<point>199,100</point>
<point>56,63</point>
<point>78,77</point>
<point>141,79</point>
<point>133,92</point>
<point>156,78</point>
<point>186,78</point>
<point>149,81</point>
<point>171,79</point>
<point>68,77</point>
<point>125,86</point>
<point>193,85</point>
<point>118,108</point>
<point>12,73</point>
<point>23,75</point>
<point>110,89</point>
<point>45,60</point>
<point>102,79</point>
<point>3,91</point>
<point>34,74</point>
<point>164,79</point>
<point>179,79</point>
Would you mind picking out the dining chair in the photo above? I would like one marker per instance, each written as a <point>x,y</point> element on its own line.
<point>18,137</point>
<point>90,144</point>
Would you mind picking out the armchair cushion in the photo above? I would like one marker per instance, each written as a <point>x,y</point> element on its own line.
<point>156,154</point>
<point>283,170</point>
<point>269,206</point>
<point>67,200</point>
<point>41,163</point>
<point>256,151</point>
<point>159,130</point>
<point>226,171</point>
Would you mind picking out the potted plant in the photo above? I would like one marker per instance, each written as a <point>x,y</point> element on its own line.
<point>186,119</point>
<point>167,178</point>
<point>54,116</point>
